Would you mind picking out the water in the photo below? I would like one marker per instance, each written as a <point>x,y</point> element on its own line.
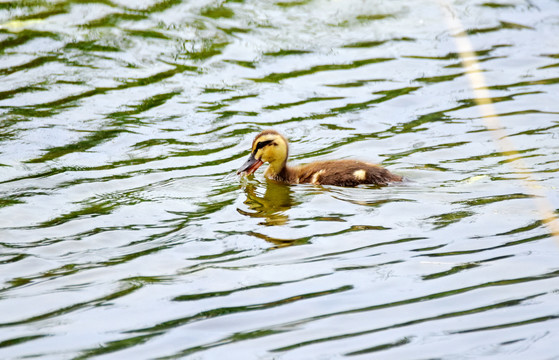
<point>124,232</point>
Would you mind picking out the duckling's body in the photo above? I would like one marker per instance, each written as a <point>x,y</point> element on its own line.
<point>270,146</point>
<point>335,172</point>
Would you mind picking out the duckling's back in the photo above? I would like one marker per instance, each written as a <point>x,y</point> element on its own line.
<point>343,173</point>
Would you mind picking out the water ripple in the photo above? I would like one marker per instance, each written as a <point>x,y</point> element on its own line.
<point>124,230</point>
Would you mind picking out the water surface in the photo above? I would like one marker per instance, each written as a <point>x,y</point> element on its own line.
<point>124,232</point>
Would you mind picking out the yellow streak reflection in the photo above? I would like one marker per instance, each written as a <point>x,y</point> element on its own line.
<point>491,120</point>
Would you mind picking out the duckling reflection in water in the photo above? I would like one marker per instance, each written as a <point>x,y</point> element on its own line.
<point>271,147</point>
<point>272,206</point>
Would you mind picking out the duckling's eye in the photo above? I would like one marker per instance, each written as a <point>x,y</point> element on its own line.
<point>261,144</point>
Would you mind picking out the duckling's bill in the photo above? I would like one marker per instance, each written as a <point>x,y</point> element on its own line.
<point>250,166</point>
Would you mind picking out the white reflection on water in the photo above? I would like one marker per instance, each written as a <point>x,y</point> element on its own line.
<point>124,231</point>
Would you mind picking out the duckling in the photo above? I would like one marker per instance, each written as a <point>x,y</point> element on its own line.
<point>271,147</point>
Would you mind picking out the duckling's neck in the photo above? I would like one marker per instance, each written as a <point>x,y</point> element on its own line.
<point>278,170</point>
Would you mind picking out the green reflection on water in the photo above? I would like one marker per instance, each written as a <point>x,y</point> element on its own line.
<point>218,12</point>
<point>268,203</point>
<point>287,4</point>
<point>19,340</point>
<point>444,220</point>
<point>84,144</point>
<point>277,77</point>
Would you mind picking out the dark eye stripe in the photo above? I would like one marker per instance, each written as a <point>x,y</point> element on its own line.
<point>261,144</point>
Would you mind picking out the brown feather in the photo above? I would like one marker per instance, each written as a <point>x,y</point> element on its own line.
<point>337,172</point>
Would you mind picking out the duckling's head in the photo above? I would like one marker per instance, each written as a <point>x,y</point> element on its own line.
<point>268,146</point>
